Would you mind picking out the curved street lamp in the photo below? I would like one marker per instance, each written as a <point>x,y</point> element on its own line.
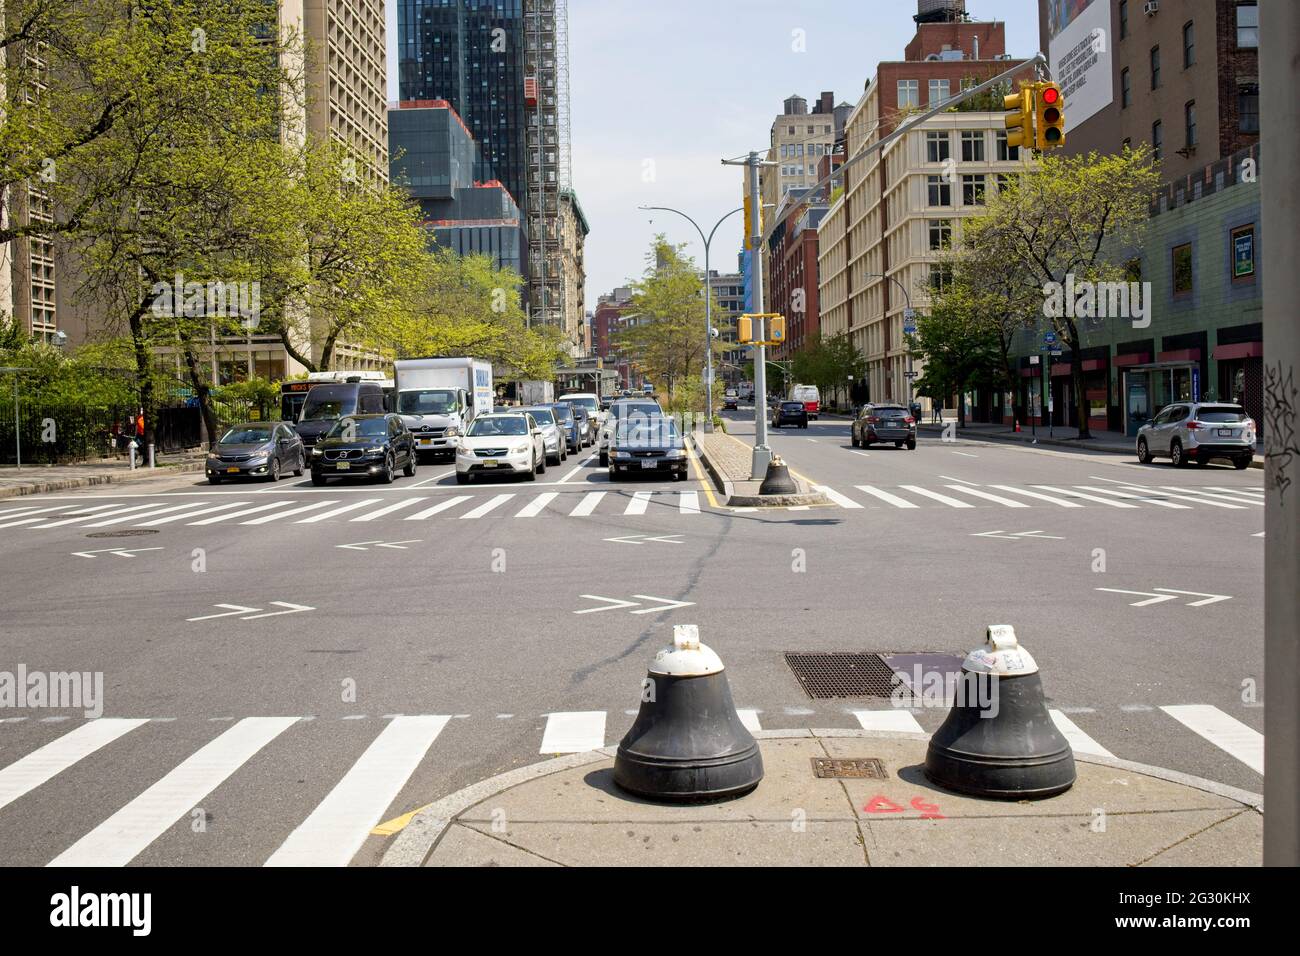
<point>906,315</point>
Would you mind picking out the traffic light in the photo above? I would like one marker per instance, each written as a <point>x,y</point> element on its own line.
<point>1020,118</point>
<point>776,329</point>
<point>1049,118</point>
<point>744,330</point>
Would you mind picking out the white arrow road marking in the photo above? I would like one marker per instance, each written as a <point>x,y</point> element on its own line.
<point>1226,733</point>
<point>1155,598</point>
<point>1017,535</point>
<point>613,604</point>
<point>118,552</point>
<point>1211,598</point>
<point>293,609</point>
<point>643,538</point>
<point>362,545</point>
<point>668,604</point>
<point>233,610</point>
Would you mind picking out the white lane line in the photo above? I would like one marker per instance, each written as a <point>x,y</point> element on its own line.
<point>1208,494</point>
<point>301,509</point>
<point>537,505</point>
<point>688,503</point>
<point>1252,492</point>
<point>439,508</point>
<point>102,514</point>
<point>638,503</point>
<point>326,515</point>
<point>587,505</point>
<point>432,481</point>
<point>124,835</point>
<point>888,720</point>
<point>29,772</point>
<point>1227,733</point>
<point>1079,494</point>
<point>483,509</point>
<point>943,499</point>
<point>1079,741</point>
<point>135,517</point>
<point>862,453</point>
<point>844,501</point>
<point>1194,499</point>
<point>335,830</point>
<point>573,732</point>
<point>239,514</point>
<point>961,481</point>
<point>192,514</point>
<point>371,516</point>
<point>997,499</point>
<point>1035,494</point>
<point>965,454</point>
<point>1124,494</point>
<point>581,465</point>
<point>750,719</point>
<point>885,496</point>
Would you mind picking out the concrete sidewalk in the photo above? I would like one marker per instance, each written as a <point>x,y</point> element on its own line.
<point>568,812</point>
<point>727,460</point>
<point>40,479</point>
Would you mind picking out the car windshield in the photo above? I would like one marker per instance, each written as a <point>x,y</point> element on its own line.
<point>505,425</point>
<point>654,432</point>
<point>350,429</point>
<point>792,406</point>
<point>246,435</point>
<point>427,401</point>
<point>325,402</point>
<point>588,403</point>
<point>1222,414</point>
<point>543,416</point>
<point>564,413</point>
<point>631,409</point>
<point>892,412</point>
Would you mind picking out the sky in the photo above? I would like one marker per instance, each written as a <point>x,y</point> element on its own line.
<point>662,90</point>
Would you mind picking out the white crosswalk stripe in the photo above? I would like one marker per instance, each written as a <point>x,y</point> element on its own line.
<point>1257,493</point>
<point>749,718</point>
<point>1079,494</point>
<point>898,720</point>
<point>389,509</point>
<point>29,772</point>
<point>1227,733</point>
<point>345,509</point>
<point>537,505</point>
<point>102,514</point>
<point>844,501</point>
<point>278,515</point>
<point>1195,499</point>
<point>1150,499</point>
<point>483,509</point>
<point>335,830</point>
<point>886,497</point>
<point>587,505</point>
<point>192,514</point>
<point>1051,499</point>
<point>136,517</point>
<point>439,508</point>
<point>997,499</point>
<point>257,509</point>
<point>688,503</point>
<point>573,732</point>
<point>637,506</point>
<point>1078,740</point>
<point>942,499</point>
<point>1217,497</point>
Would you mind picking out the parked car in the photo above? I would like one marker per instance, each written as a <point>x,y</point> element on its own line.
<point>1198,432</point>
<point>568,426</point>
<point>646,445</point>
<point>556,448</point>
<point>731,399</point>
<point>624,408</point>
<point>789,413</point>
<point>501,444</point>
<point>372,445</point>
<point>882,423</point>
<point>257,450</point>
<point>586,424</point>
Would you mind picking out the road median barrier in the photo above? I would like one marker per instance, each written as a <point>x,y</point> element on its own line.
<point>726,460</point>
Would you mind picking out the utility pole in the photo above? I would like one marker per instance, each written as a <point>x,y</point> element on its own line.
<point>1279,64</point>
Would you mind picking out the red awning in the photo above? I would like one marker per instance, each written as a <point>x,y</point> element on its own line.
<point>1241,350</point>
<point>1034,371</point>
<point>1094,365</point>
<point>1132,358</point>
<point>1060,368</point>
<point>1180,355</point>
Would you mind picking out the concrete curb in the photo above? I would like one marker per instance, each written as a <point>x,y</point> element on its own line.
<point>733,500</point>
<point>416,843</point>
<point>720,480</point>
<point>91,481</point>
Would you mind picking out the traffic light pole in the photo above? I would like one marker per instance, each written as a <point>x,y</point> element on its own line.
<point>762,455</point>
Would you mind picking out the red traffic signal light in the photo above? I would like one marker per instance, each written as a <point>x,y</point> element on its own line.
<point>1051,95</point>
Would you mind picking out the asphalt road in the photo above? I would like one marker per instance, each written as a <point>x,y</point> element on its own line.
<point>495,627</point>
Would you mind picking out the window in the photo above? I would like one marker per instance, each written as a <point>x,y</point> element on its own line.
<point>791,130</point>
<point>1247,26</point>
<point>939,92</point>
<point>1123,19</point>
<point>1248,107</point>
<point>783,151</point>
<point>1005,180</point>
<point>1005,152</point>
<point>939,192</point>
<point>1189,123</point>
<point>1125,89</point>
<point>909,94</point>
<point>1189,44</point>
<point>1243,252</point>
<point>972,145</point>
<point>1155,68</point>
<point>826,129</point>
<point>972,190</point>
<point>1157,139</point>
<point>798,150</point>
<point>1182,269</point>
<point>940,233</point>
<point>936,147</point>
<point>940,278</point>
<point>812,129</point>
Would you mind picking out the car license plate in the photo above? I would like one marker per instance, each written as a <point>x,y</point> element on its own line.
<point>490,463</point>
<point>232,471</point>
<point>426,441</point>
<point>649,464</point>
<point>342,466</point>
<point>1226,433</point>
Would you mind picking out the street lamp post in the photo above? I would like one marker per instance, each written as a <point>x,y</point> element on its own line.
<point>708,305</point>
<point>908,315</point>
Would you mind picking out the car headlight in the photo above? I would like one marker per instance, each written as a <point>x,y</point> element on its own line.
<point>315,451</point>
<point>620,454</point>
<point>676,452</point>
<point>519,450</point>
<point>213,456</point>
<point>376,450</point>
<point>451,431</point>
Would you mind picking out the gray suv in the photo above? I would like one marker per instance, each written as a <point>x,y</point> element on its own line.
<point>1196,432</point>
<point>883,423</point>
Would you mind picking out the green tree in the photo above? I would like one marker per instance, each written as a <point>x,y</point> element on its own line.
<point>956,344</point>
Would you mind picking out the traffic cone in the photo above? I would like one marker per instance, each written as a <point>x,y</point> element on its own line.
<point>999,740</point>
<point>687,743</point>
<point>1017,421</point>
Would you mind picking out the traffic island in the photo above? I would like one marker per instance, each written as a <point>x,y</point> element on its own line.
<point>837,798</point>
<point>727,460</point>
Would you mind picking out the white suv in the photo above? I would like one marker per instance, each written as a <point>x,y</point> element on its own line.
<point>1189,432</point>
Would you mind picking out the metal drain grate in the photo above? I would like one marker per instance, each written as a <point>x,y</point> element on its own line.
<point>842,674</point>
<point>841,767</point>
<point>125,533</point>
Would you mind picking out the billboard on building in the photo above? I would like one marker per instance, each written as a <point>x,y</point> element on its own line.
<point>1079,54</point>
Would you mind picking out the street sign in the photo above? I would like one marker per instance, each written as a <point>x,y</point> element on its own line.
<point>1056,353</point>
<point>909,321</point>
<point>910,374</point>
<point>1049,338</point>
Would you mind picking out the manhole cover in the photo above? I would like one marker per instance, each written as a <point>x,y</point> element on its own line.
<point>829,767</point>
<point>842,674</point>
<point>125,533</point>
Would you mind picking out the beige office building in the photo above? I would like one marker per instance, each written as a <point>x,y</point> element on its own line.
<point>573,230</point>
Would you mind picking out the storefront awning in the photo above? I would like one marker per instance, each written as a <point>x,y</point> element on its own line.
<point>1242,350</point>
<point>1132,358</point>
<point>1180,355</point>
<point>1060,368</point>
<point>1094,365</point>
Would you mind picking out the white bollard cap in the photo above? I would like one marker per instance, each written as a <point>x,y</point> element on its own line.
<point>1001,655</point>
<point>686,656</point>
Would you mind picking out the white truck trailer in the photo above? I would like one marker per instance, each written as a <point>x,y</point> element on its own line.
<point>439,397</point>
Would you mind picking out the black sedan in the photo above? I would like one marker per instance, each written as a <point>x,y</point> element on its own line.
<point>789,413</point>
<point>374,446</point>
<point>263,450</point>
<point>646,446</point>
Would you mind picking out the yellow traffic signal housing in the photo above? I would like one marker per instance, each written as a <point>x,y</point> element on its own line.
<point>744,330</point>
<point>1049,116</point>
<point>776,329</point>
<point>1020,118</point>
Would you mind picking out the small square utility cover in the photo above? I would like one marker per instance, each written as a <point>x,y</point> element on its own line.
<point>829,767</point>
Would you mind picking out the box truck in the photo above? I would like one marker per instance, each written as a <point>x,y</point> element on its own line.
<point>439,397</point>
<point>536,393</point>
